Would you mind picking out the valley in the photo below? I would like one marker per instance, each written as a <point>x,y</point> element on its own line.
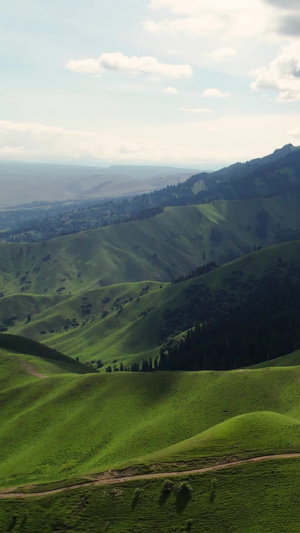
<point>153,365</point>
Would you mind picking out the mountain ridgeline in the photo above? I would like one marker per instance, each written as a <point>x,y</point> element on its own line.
<point>276,174</point>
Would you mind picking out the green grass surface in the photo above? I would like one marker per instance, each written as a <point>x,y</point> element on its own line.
<point>252,498</point>
<point>124,324</point>
<point>68,425</point>
<point>171,243</point>
<point>244,435</point>
<point>23,345</point>
<point>47,287</point>
<point>291,359</point>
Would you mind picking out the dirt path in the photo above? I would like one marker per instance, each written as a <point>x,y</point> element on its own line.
<point>106,480</point>
<point>31,370</point>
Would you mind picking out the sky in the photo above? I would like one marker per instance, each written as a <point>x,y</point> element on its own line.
<point>194,83</point>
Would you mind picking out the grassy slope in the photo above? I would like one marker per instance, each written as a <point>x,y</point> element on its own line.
<point>134,332</point>
<point>248,499</point>
<point>23,345</point>
<point>291,359</point>
<point>69,425</point>
<point>19,369</point>
<point>173,242</point>
<point>242,435</point>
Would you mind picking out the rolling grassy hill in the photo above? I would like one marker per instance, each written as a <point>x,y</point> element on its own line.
<point>291,359</point>
<point>249,498</point>
<point>128,322</point>
<point>21,345</point>
<point>60,291</point>
<point>68,425</point>
<point>158,249</point>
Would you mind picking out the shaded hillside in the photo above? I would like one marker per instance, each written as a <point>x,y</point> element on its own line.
<point>128,323</point>
<point>264,326</point>
<point>22,345</point>
<point>160,248</point>
<point>240,170</point>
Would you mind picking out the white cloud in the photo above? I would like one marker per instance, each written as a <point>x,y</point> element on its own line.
<point>282,75</point>
<point>170,90</point>
<point>222,55</point>
<point>172,52</point>
<point>196,110</point>
<point>239,18</point>
<point>295,133</point>
<point>213,130</point>
<point>214,93</point>
<point>190,26</point>
<point>12,151</point>
<point>218,139</point>
<point>118,62</point>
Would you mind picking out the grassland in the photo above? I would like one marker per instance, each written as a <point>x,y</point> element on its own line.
<point>124,322</point>
<point>291,359</point>
<point>68,425</point>
<point>249,499</point>
<point>80,294</point>
<point>170,244</point>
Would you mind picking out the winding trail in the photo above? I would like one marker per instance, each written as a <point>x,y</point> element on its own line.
<point>105,478</point>
<point>31,370</point>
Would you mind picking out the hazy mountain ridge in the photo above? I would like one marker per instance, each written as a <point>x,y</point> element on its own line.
<point>32,182</point>
<point>273,175</point>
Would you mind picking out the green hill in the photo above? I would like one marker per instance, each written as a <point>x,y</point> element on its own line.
<point>68,426</point>
<point>291,359</point>
<point>129,322</point>
<point>245,435</point>
<point>159,248</point>
<point>42,355</point>
<point>250,498</point>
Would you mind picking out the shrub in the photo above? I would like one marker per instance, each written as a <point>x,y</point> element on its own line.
<point>184,488</point>
<point>168,485</point>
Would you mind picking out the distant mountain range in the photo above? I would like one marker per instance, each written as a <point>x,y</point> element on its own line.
<point>23,183</point>
<point>275,174</point>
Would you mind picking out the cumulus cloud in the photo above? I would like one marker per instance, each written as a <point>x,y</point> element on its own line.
<point>120,63</point>
<point>32,140</point>
<point>284,4</point>
<point>288,16</point>
<point>282,75</point>
<point>290,25</point>
<point>214,93</point>
<point>196,110</point>
<point>239,18</point>
<point>222,55</point>
<point>170,90</point>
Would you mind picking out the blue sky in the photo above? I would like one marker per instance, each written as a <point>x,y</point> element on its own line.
<point>182,82</point>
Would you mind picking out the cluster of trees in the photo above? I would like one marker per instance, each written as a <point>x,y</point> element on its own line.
<point>264,326</point>
<point>146,366</point>
<point>135,367</point>
<point>72,221</point>
<point>199,271</point>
